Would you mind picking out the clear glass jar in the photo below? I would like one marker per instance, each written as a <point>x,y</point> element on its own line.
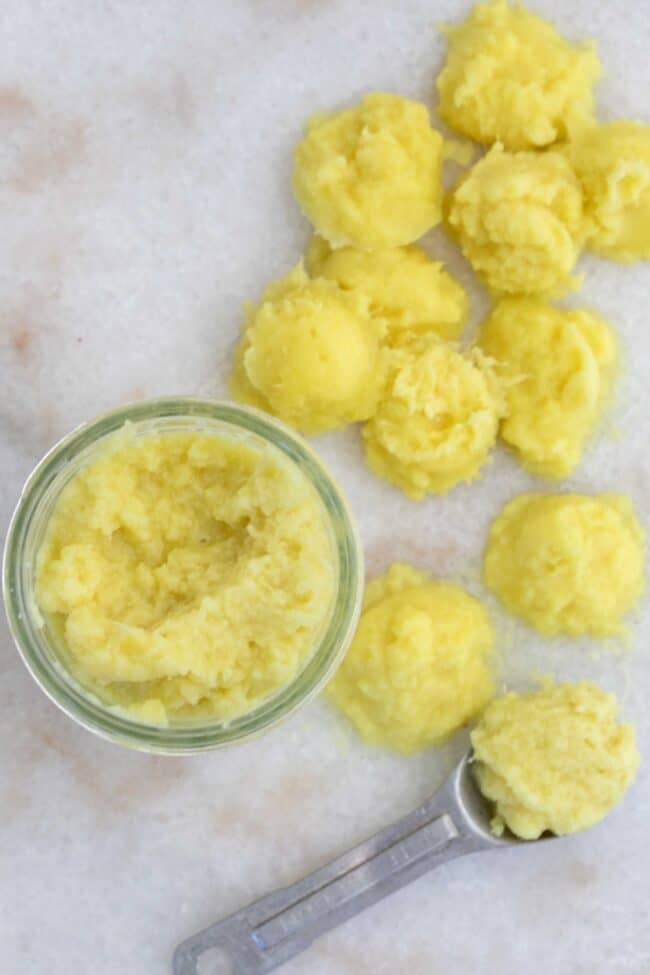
<point>37,644</point>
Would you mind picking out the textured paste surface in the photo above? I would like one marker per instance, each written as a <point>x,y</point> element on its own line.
<point>409,293</point>
<point>554,759</point>
<point>190,575</point>
<point>420,663</point>
<point>557,367</point>
<point>511,78</point>
<point>437,419</point>
<point>309,354</point>
<point>519,222</point>
<point>613,163</point>
<point>370,176</point>
<point>567,563</point>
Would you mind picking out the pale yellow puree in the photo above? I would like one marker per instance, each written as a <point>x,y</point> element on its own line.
<point>188,575</point>
<point>554,759</point>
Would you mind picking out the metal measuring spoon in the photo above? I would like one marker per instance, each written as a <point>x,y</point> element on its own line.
<point>271,930</point>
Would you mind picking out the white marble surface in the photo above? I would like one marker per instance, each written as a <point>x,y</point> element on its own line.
<point>144,192</point>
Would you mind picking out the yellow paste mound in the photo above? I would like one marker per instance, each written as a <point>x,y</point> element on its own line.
<point>309,354</point>
<point>518,220</point>
<point>553,759</point>
<point>189,575</point>
<point>567,563</point>
<point>410,294</point>
<point>511,78</point>
<point>370,176</point>
<point>557,367</point>
<point>437,419</point>
<point>420,663</point>
<point>613,164</point>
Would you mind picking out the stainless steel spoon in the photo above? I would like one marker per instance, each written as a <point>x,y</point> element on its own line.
<point>271,930</point>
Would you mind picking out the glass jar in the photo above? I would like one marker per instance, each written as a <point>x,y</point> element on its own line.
<point>37,643</point>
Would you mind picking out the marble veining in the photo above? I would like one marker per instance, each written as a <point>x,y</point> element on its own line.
<point>144,190</point>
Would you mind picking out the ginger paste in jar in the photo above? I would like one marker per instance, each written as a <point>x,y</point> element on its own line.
<point>189,575</point>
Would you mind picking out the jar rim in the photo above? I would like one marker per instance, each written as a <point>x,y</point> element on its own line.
<point>114,724</point>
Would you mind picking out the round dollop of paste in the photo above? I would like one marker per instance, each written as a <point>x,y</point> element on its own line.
<point>437,419</point>
<point>554,759</point>
<point>519,222</point>
<point>370,176</point>
<point>309,354</point>
<point>511,78</point>
<point>557,367</point>
<point>408,292</point>
<point>567,563</point>
<point>613,163</point>
<point>420,663</point>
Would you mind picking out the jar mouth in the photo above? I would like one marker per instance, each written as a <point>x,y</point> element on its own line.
<point>31,516</point>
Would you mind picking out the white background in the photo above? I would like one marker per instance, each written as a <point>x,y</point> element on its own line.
<point>144,195</point>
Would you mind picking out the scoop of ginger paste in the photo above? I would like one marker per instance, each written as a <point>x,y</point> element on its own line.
<point>408,292</point>
<point>557,366</point>
<point>370,176</point>
<point>554,759</point>
<point>437,419</point>
<point>309,354</point>
<point>567,563</point>
<point>518,219</point>
<point>420,663</point>
<point>613,163</point>
<point>511,78</point>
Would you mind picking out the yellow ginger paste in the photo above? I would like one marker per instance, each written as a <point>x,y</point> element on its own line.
<point>437,419</point>
<point>567,563</point>
<point>309,354</point>
<point>189,575</point>
<point>420,663</point>
<point>519,222</point>
<point>613,163</point>
<point>557,367</point>
<point>409,293</point>
<point>554,759</point>
<point>511,78</point>
<point>370,176</point>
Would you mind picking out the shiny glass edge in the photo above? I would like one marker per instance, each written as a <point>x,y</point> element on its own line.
<point>22,613</point>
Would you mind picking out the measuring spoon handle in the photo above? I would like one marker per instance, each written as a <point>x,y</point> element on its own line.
<point>283,923</point>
